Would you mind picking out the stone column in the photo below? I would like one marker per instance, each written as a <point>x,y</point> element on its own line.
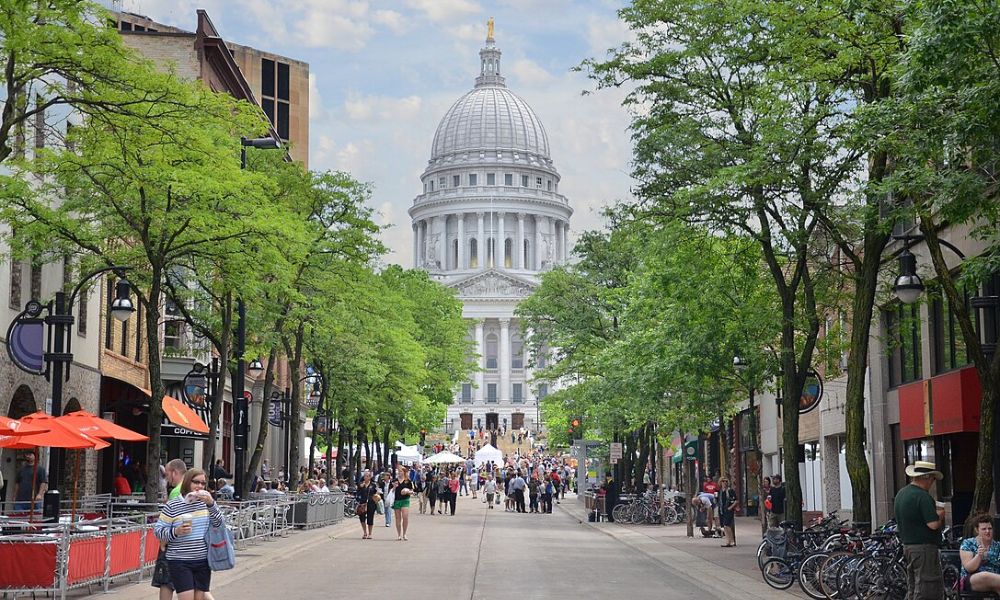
<point>421,243</point>
<point>501,237</point>
<point>519,251</point>
<point>537,254</point>
<point>557,255</point>
<point>416,245</point>
<point>481,349</point>
<point>504,359</point>
<point>565,241</point>
<point>460,258</point>
<point>480,245</point>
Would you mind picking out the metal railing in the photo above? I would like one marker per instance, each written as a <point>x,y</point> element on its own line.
<point>104,539</point>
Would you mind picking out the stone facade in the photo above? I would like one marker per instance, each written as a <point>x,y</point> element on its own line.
<point>489,220</point>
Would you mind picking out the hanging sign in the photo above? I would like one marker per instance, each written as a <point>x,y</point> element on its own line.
<point>812,393</point>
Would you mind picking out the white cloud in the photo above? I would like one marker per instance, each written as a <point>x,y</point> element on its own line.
<point>529,73</point>
<point>391,19</point>
<point>443,10</point>
<point>321,29</point>
<point>316,110</point>
<point>604,33</point>
<point>363,108</point>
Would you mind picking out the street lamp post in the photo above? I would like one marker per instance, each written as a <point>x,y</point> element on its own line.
<point>25,338</point>
<point>241,402</point>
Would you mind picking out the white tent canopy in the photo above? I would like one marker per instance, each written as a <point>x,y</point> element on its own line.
<point>488,453</point>
<point>444,458</point>
<point>408,455</point>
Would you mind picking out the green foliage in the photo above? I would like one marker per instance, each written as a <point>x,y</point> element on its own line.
<point>653,341</point>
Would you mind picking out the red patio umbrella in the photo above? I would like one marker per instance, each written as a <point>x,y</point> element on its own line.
<point>13,427</point>
<point>59,435</point>
<point>95,426</point>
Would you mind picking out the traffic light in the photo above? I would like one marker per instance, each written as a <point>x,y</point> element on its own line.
<point>575,428</point>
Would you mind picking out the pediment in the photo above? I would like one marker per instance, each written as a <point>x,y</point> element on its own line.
<point>493,284</point>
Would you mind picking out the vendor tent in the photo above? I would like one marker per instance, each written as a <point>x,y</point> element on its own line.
<point>444,458</point>
<point>487,454</point>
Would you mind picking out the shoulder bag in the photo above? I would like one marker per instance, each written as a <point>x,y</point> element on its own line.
<point>221,549</point>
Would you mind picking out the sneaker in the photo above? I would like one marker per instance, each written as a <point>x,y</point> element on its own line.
<point>387,524</point>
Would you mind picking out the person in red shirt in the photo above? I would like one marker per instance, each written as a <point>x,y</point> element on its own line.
<point>709,487</point>
<point>556,484</point>
<point>122,488</point>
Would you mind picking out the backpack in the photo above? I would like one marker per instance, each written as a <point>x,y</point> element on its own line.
<point>221,549</point>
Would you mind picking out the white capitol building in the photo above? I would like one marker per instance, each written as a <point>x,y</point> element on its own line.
<point>490,218</point>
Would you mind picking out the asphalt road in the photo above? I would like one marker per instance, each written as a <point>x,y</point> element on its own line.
<point>477,554</point>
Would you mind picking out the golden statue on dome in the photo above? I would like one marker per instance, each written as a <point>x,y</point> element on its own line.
<point>489,29</point>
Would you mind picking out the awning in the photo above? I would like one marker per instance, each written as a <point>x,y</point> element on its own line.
<point>182,415</point>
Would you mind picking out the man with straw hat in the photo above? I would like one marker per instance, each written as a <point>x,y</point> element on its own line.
<point>920,522</point>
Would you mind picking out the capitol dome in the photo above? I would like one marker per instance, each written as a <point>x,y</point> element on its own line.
<point>490,118</point>
<point>488,222</point>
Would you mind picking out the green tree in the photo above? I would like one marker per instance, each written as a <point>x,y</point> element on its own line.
<point>949,110</point>
<point>146,192</point>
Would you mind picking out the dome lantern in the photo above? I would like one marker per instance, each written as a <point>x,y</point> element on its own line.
<point>489,61</point>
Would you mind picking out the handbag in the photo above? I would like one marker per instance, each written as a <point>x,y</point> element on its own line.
<point>361,509</point>
<point>380,507</point>
<point>221,549</point>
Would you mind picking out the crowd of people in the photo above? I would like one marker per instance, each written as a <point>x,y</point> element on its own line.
<point>523,484</point>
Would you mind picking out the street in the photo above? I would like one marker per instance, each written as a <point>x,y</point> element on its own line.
<point>476,554</point>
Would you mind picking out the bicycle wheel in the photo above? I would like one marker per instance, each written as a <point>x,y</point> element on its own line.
<point>866,575</point>
<point>888,581</point>
<point>671,514</point>
<point>639,513</point>
<point>845,578</point>
<point>828,573</point>
<point>778,574</point>
<point>763,553</point>
<point>809,572</point>
<point>619,513</point>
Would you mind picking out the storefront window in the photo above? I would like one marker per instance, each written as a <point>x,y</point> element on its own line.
<point>903,328</point>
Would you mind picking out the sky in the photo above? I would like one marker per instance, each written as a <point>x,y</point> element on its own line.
<point>384,72</point>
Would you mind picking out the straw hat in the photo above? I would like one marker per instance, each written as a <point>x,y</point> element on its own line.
<point>923,467</point>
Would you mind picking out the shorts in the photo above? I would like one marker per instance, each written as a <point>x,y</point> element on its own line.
<point>489,497</point>
<point>398,504</point>
<point>187,575</point>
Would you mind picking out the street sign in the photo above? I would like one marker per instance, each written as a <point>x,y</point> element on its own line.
<point>691,450</point>
<point>616,451</point>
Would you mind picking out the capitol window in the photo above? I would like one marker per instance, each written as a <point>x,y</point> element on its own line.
<point>508,179</point>
<point>491,392</point>
<point>441,183</point>
<point>508,253</point>
<point>492,342</point>
<point>466,392</point>
<point>524,181</point>
<point>491,179</point>
<point>473,253</point>
<point>432,185</point>
<point>473,179</point>
<point>548,184</point>
<point>516,353</point>
<point>456,180</point>
<point>538,182</point>
<point>517,395</point>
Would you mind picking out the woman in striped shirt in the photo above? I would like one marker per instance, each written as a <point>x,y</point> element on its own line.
<point>182,525</point>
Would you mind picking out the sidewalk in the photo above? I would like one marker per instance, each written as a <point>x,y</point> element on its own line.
<point>249,560</point>
<point>732,572</point>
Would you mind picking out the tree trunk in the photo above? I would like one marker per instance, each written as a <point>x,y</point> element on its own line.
<point>639,468</point>
<point>341,434</point>
<point>863,305</point>
<point>262,426</point>
<point>987,368</point>
<point>386,448</point>
<point>218,397</point>
<point>156,387</point>
<point>296,423</point>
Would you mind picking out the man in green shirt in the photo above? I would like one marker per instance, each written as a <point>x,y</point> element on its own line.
<point>175,473</point>
<point>919,525</point>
